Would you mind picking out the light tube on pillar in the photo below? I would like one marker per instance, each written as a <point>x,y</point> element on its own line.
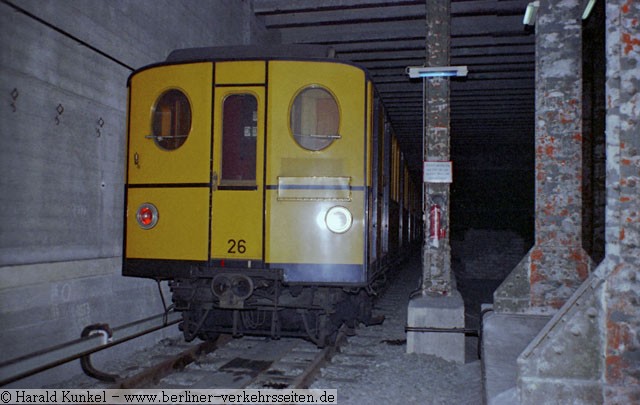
<point>588,8</point>
<point>530,13</point>
<point>441,71</point>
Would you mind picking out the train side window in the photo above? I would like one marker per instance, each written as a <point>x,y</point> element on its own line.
<point>239,138</point>
<point>315,118</point>
<point>171,119</point>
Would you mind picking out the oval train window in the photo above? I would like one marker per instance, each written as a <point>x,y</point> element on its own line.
<point>315,118</point>
<point>171,121</point>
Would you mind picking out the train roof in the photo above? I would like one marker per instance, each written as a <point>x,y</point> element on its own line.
<point>243,52</point>
<point>251,52</point>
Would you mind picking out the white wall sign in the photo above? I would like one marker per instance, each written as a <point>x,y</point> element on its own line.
<point>438,172</point>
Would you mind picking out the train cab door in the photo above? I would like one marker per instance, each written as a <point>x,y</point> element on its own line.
<point>169,155</point>
<point>237,173</point>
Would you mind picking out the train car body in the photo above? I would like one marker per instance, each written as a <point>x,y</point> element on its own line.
<point>266,186</point>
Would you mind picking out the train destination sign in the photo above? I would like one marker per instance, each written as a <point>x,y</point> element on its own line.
<point>438,172</point>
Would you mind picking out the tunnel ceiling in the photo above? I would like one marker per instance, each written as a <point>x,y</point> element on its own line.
<point>494,104</point>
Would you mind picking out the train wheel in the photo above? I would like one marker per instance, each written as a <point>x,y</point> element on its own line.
<point>208,336</point>
<point>365,310</point>
<point>330,339</point>
<point>194,325</point>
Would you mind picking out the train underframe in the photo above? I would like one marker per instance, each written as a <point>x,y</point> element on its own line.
<point>257,302</point>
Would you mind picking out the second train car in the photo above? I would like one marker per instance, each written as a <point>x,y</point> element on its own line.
<point>266,185</point>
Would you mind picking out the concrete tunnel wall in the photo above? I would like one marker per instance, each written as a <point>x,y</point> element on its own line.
<point>63,72</point>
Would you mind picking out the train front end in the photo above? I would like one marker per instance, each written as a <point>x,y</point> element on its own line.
<point>247,189</point>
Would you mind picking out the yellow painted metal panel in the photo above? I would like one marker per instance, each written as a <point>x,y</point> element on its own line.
<point>345,156</point>
<point>236,225</point>
<point>252,72</point>
<point>182,230</point>
<point>298,233</point>
<point>148,162</point>
<point>237,214</point>
<point>370,118</point>
<point>296,230</point>
<point>314,188</point>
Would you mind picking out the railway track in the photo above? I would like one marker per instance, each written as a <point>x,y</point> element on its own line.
<point>249,362</point>
<point>253,362</point>
<point>228,363</point>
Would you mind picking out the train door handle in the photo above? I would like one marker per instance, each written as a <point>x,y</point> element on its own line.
<point>214,181</point>
<point>136,159</point>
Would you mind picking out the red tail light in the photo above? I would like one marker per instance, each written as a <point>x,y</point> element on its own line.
<point>147,216</point>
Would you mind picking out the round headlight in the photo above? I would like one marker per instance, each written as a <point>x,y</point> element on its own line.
<point>338,219</point>
<point>147,216</point>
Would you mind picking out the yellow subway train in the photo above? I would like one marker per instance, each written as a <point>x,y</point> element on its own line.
<point>266,185</point>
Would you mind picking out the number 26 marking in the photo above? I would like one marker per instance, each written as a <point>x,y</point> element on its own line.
<point>239,246</point>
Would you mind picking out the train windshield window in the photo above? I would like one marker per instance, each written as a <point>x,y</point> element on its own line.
<point>315,119</point>
<point>239,138</point>
<point>171,121</point>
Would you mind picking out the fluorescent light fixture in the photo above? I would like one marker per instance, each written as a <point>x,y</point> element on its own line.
<point>588,8</point>
<point>530,13</point>
<point>444,71</point>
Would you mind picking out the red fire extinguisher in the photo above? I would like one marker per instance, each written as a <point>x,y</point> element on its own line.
<point>437,230</point>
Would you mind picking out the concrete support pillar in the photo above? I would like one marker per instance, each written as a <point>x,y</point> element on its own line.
<point>588,352</point>
<point>439,307</point>
<point>557,264</point>
<point>437,251</point>
<point>621,268</point>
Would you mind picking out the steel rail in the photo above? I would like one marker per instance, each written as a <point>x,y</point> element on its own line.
<point>175,363</point>
<point>305,379</point>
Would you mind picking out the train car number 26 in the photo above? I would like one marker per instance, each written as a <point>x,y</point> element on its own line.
<point>237,246</point>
